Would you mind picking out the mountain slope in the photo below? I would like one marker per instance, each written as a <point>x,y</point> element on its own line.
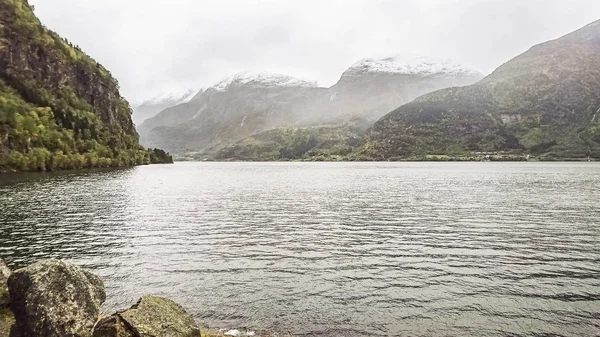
<point>372,87</point>
<point>230,110</point>
<point>545,101</point>
<point>59,108</point>
<point>250,103</point>
<point>324,142</point>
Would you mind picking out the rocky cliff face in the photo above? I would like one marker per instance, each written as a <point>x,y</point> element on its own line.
<point>32,57</point>
<point>543,102</point>
<point>250,103</point>
<point>59,108</point>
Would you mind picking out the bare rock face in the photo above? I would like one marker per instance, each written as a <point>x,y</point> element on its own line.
<point>52,298</point>
<point>151,316</point>
<point>4,274</point>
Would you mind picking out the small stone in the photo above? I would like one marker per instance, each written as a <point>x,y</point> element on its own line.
<point>52,298</point>
<point>151,316</point>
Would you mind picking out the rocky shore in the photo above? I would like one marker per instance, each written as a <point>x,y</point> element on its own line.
<point>52,298</point>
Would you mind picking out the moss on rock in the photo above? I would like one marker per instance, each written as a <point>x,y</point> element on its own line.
<point>151,316</point>
<point>52,298</point>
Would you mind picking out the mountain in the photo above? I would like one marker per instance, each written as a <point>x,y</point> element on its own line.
<point>151,107</point>
<point>232,109</point>
<point>372,87</point>
<point>59,108</point>
<point>250,103</point>
<point>544,102</point>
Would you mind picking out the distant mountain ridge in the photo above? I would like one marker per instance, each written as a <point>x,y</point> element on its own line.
<point>154,105</point>
<point>231,109</point>
<point>263,79</point>
<point>249,103</point>
<point>409,64</point>
<point>545,101</point>
<point>542,105</point>
<point>372,87</point>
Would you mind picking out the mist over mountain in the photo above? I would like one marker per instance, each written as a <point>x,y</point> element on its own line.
<point>249,103</point>
<point>372,87</point>
<point>232,109</point>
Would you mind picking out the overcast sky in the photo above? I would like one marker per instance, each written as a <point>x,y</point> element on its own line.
<point>159,46</point>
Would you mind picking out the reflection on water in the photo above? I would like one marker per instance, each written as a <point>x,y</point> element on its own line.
<point>369,249</point>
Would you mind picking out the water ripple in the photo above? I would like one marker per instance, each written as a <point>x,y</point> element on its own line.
<point>332,249</point>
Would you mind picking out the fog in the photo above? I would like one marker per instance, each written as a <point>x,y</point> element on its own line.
<point>155,47</point>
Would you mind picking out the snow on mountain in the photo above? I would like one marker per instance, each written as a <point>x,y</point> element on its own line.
<point>410,65</point>
<point>154,105</point>
<point>264,80</point>
<point>251,102</point>
<point>183,96</point>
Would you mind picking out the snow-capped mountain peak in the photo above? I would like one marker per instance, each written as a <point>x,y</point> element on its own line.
<point>182,96</point>
<point>409,64</point>
<point>150,107</point>
<point>262,79</point>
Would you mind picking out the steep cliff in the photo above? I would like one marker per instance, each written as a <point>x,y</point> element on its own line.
<point>59,108</point>
<point>545,102</point>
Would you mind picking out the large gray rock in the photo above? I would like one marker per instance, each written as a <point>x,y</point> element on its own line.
<point>4,274</point>
<point>151,317</point>
<point>52,298</point>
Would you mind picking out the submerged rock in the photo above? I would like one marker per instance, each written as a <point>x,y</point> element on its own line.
<point>52,298</point>
<point>4,274</point>
<point>151,316</point>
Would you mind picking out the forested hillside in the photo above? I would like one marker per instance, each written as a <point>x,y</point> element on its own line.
<point>59,108</point>
<point>545,102</point>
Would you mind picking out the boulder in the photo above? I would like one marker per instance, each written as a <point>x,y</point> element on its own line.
<point>4,274</point>
<point>151,317</point>
<point>52,298</point>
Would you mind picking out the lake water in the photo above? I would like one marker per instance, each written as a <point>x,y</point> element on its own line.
<point>332,249</point>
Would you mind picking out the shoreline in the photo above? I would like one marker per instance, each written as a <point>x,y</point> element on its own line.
<point>57,298</point>
<point>566,160</point>
<point>14,173</point>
